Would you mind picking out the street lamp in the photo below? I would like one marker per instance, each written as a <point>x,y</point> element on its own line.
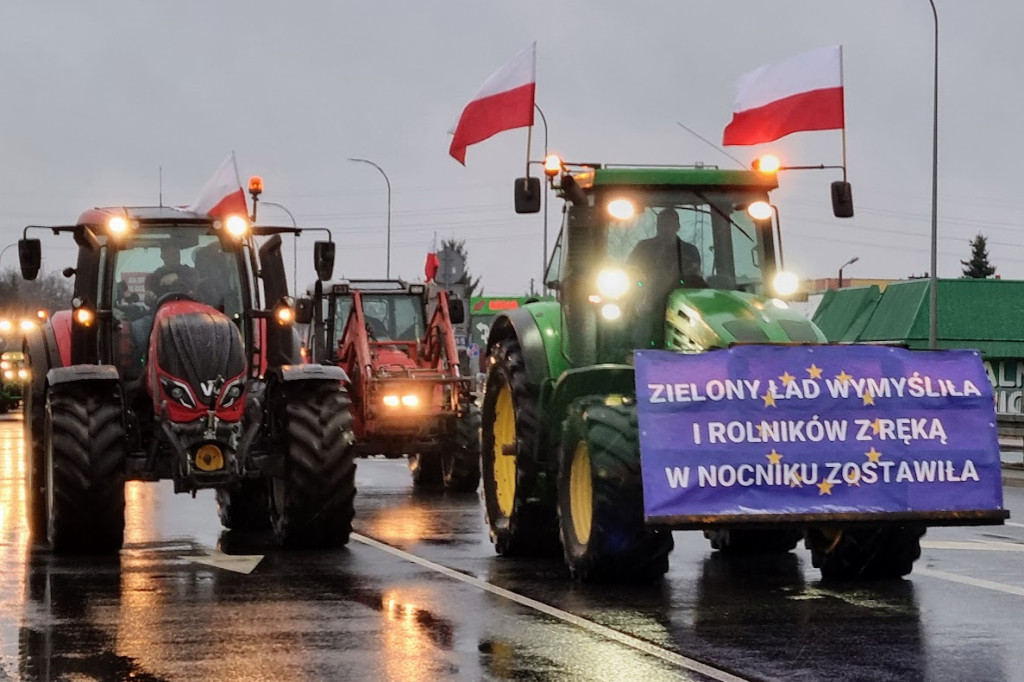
<point>388,270</point>
<point>933,301</point>
<point>4,250</point>
<point>849,262</point>
<point>295,246</point>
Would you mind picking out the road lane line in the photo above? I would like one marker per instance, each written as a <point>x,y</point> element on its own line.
<point>973,545</point>
<point>973,582</point>
<point>1015,525</point>
<point>565,616</point>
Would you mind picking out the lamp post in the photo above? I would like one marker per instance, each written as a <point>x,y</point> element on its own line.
<point>386,180</point>
<point>295,246</point>
<point>849,262</point>
<point>544,254</point>
<point>933,301</point>
<point>4,250</point>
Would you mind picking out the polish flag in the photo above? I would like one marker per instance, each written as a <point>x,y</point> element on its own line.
<point>804,92</point>
<point>222,194</point>
<point>431,266</point>
<point>504,102</point>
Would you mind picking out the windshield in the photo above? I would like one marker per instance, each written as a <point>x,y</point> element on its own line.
<point>391,317</point>
<point>158,262</point>
<point>707,239</point>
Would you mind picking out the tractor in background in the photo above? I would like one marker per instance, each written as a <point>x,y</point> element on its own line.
<point>13,377</point>
<point>561,463</point>
<point>177,359</point>
<point>409,396</point>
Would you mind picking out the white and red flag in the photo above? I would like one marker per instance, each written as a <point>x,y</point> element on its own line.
<point>505,101</point>
<point>222,194</point>
<point>804,92</point>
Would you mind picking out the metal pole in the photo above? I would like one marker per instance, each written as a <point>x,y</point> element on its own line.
<point>295,247</point>
<point>849,262</point>
<point>933,302</point>
<point>388,181</point>
<point>4,250</point>
<point>544,254</point>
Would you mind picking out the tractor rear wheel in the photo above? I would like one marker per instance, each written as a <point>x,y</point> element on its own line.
<point>879,553</point>
<point>84,452</point>
<point>600,498</point>
<point>460,459</point>
<point>35,469</point>
<point>753,540</point>
<point>521,522</point>
<point>313,502</point>
<point>244,505</point>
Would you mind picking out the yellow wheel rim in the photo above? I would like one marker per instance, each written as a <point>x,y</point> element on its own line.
<point>581,493</point>
<point>504,451</point>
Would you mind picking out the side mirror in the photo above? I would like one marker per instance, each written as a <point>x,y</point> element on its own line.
<point>456,310</point>
<point>323,260</point>
<point>842,199</point>
<point>304,310</point>
<point>527,195</point>
<point>30,254</point>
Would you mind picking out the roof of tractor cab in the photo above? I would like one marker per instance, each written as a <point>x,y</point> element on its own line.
<point>684,176</point>
<point>154,214</point>
<point>377,286</point>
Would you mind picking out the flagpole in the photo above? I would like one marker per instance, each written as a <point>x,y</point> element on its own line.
<point>842,84</point>
<point>933,301</point>
<point>544,253</point>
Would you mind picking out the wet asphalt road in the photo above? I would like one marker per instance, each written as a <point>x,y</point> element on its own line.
<point>419,595</point>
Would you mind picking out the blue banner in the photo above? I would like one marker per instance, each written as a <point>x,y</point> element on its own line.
<point>816,430</point>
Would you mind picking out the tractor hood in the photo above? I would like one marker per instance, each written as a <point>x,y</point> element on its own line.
<point>699,319</point>
<point>199,355</point>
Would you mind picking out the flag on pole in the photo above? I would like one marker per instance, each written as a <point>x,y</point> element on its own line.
<point>804,92</point>
<point>222,194</point>
<point>504,102</point>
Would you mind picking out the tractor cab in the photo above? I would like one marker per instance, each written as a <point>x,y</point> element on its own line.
<point>678,258</point>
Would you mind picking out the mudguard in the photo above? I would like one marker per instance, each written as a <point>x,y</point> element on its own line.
<point>64,375</point>
<point>309,373</point>
<point>538,328</point>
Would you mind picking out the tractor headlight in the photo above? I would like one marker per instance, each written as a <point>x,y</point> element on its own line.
<point>411,400</point>
<point>760,210</point>
<point>84,317</point>
<point>5,325</point>
<point>8,374</point>
<point>4,364</point>
<point>785,283</point>
<point>621,209</point>
<point>237,226</point>
<point>391,400</point>
<point>610,311</point>
<point>178,392</point>
<point>232,392</point>
<point>117,226</point>
<point>23,374</point>
<point>612,283</point>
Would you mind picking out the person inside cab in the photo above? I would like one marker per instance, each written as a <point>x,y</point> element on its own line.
<point>659,265</point>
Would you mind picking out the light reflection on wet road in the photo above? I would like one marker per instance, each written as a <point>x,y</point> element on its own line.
<point>173,607</point>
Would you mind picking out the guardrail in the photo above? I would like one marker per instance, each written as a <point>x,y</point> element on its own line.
<point>1011,426</point>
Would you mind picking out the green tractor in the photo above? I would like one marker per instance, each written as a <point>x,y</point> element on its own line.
<point>683,259</point>
<point>13,377</point>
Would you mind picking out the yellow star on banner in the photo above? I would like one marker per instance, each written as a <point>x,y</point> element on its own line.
<point>760,429</point>
<point>787,378</point>
<point>843,376</point>
<point>855,480</point>
<point>814,371</point>
<point>774,457</point>
<point>824,488</point>
<point>873,455</point>
<point>769,399</point>
<point>876,426</point>
<point>868,398</point>
<point>795,481</point>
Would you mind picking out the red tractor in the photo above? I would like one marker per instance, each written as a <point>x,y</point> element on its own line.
<point>408,394</point>
<point>178,360</point>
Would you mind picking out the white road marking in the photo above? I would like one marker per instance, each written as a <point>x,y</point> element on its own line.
<point>973,582</point>
<point>975,545</point>
<point>239,563</point>
<point>1015,525</point>
<point>590,626</point>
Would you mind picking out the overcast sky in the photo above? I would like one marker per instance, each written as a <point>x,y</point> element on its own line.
<point>100,95</point>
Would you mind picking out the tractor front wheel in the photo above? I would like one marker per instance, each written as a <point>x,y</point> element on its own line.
<point>522,522</point>
<point>313,502</point>
<point>460,459</point>
<point>244,505</point>
<point>878,553</point>
<point>600,498</point>
<point>84,454</point>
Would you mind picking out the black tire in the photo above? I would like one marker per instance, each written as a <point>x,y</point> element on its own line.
<point>526,524</point>
<point>245,505</point>
<point>460,460</point>
<point>34,420</point>
<point>753,540</point>
<point>600,498</point>
<point>85,443</point>
<point>5,407</point>
<point>313,502</point>
<point>877,553</point>
<point>425,468</point>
